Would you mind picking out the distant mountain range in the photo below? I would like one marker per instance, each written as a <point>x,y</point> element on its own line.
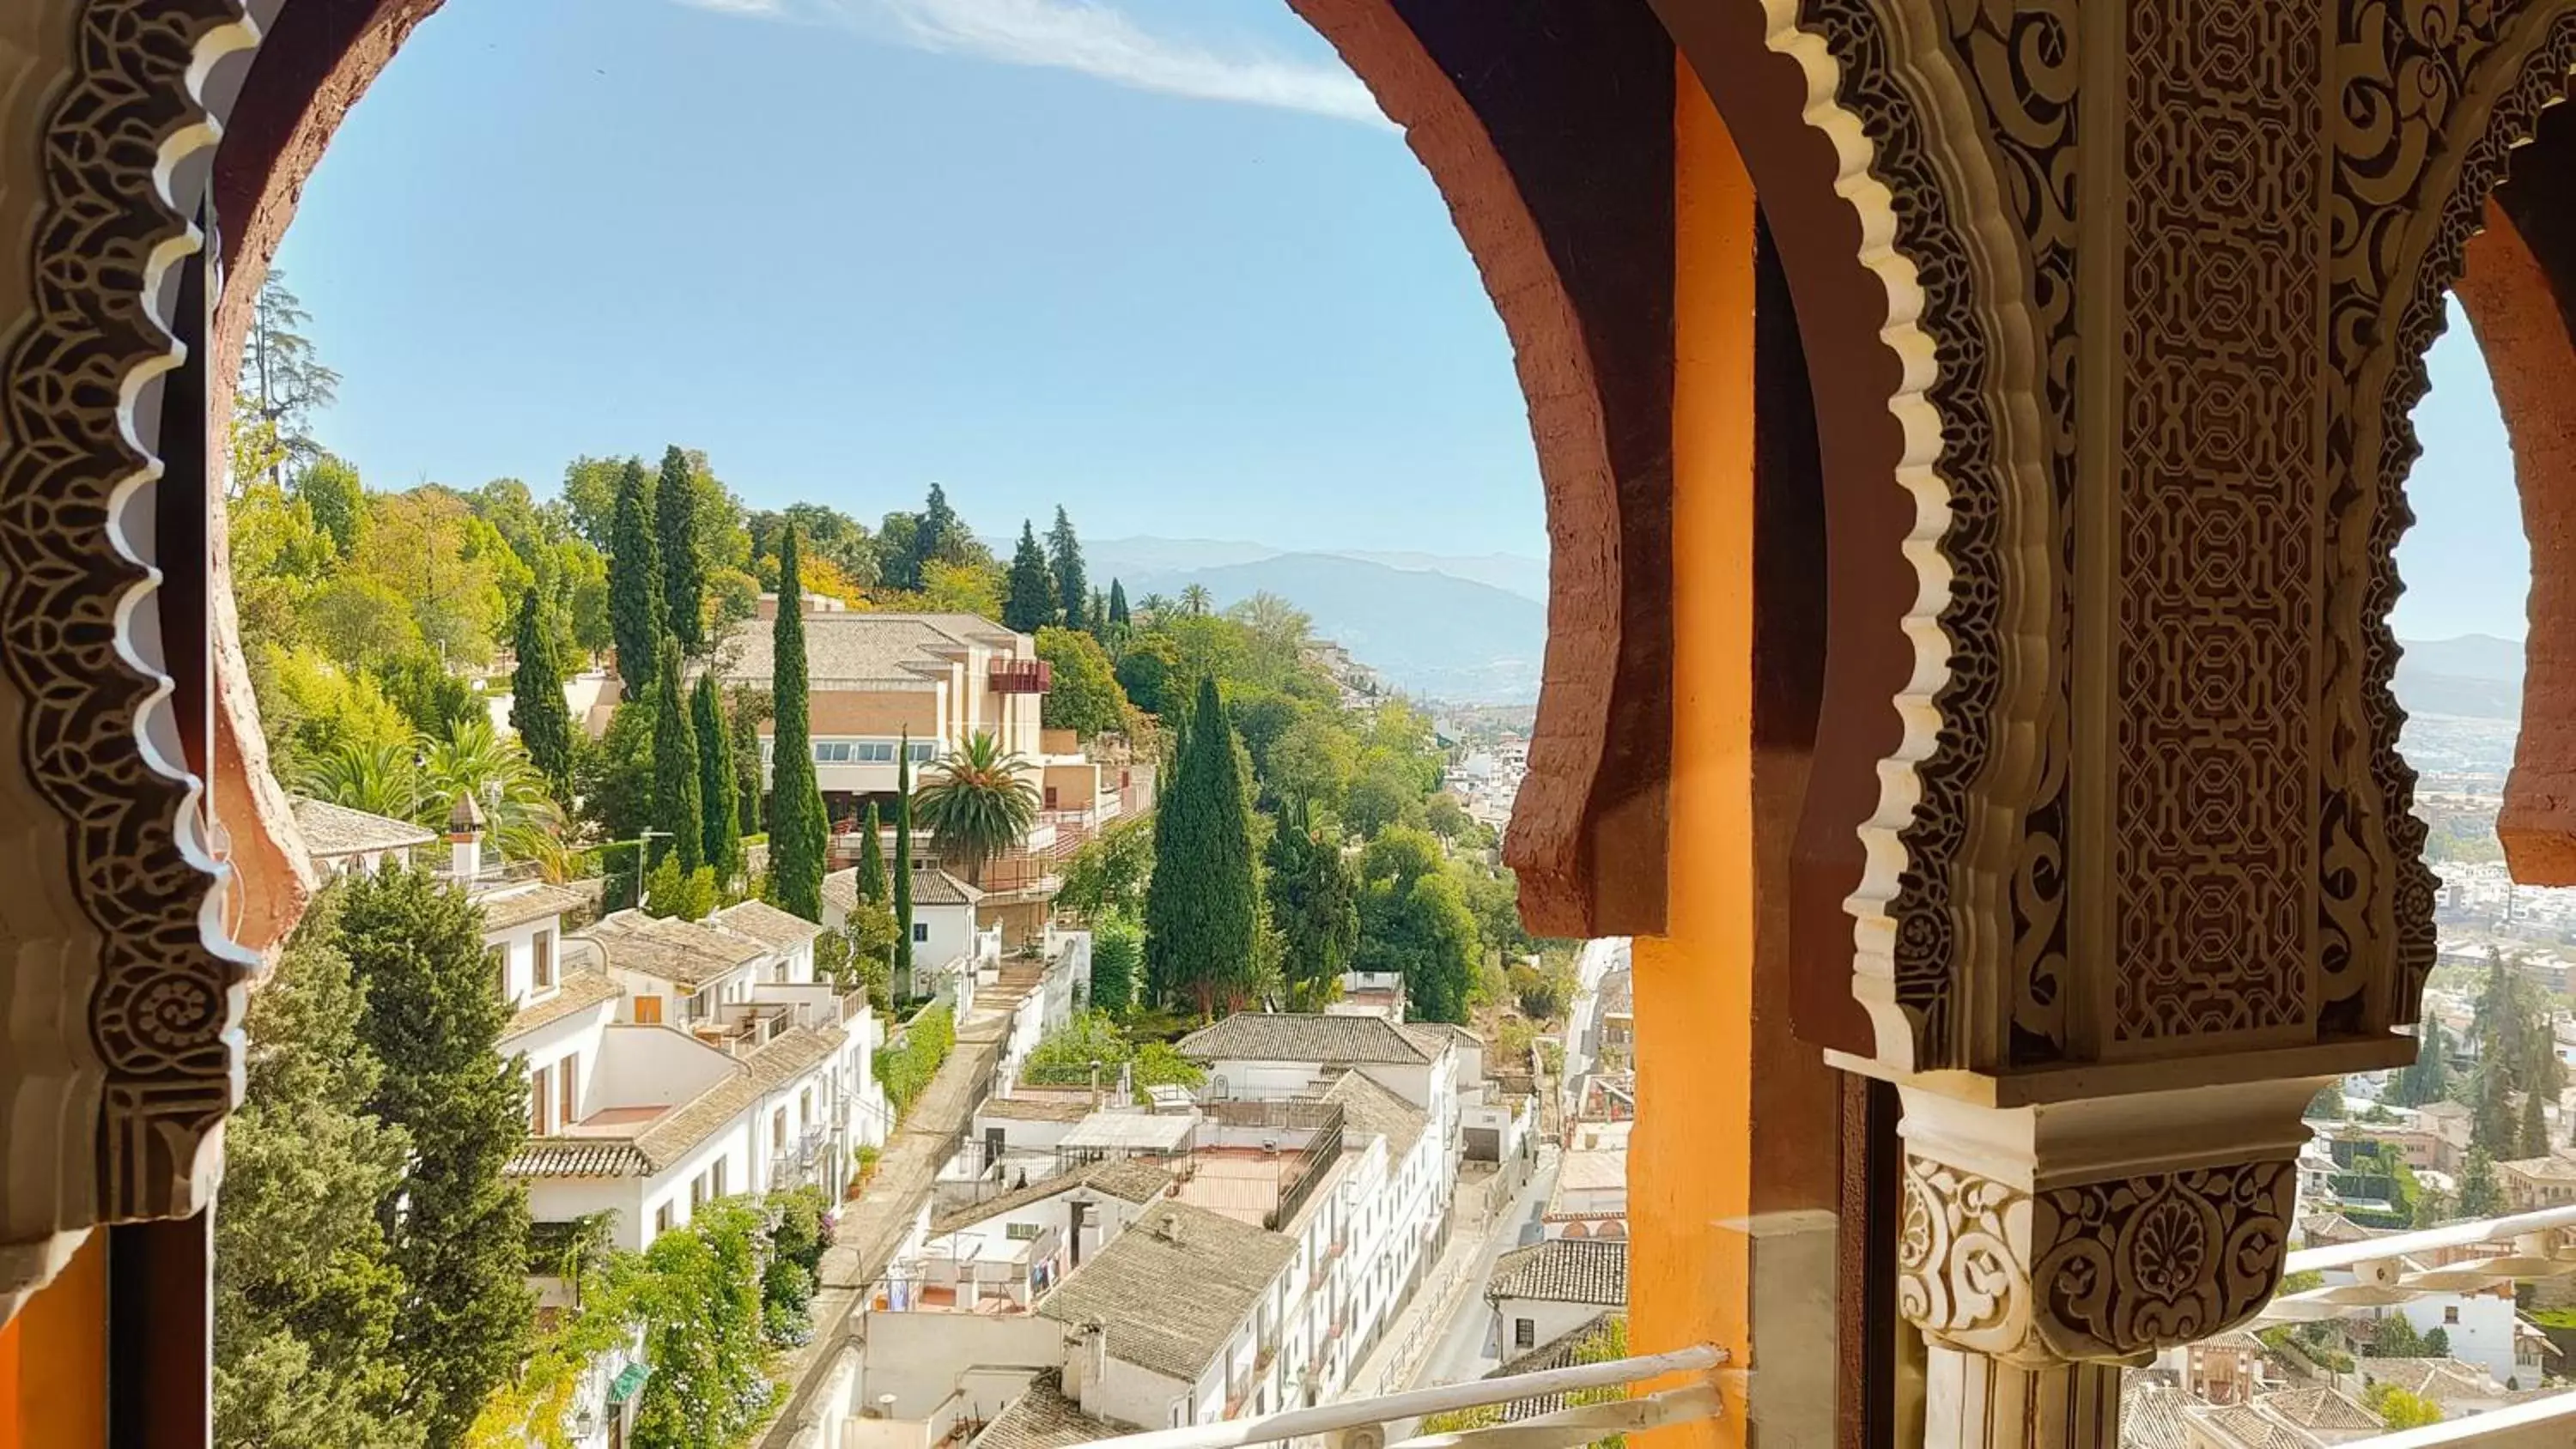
<point>2477,676</point>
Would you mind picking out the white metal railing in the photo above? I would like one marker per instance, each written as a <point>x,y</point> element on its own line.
<point>1363,1423</point>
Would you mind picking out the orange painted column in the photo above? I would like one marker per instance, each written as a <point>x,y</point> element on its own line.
<point>53,1360</point>
<point>1691,1152</point>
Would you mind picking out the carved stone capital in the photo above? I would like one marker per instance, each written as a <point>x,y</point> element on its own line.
<point>2059,1234</point>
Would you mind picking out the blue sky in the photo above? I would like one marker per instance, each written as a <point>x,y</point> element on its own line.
<point>1162,262</point>
<point>1156,259</point>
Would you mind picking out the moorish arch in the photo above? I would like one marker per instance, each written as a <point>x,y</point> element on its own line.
<point>2095,327</point>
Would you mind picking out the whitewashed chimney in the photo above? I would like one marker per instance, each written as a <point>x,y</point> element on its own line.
<point>465,839</point>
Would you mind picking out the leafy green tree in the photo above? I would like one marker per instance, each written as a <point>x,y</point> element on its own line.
<point>306,1292</point>
<point>1150,673</point>
<point>1064,563</point>
<point>872,869</point>
<point>746,708</point>
<point>1083,696</point>
<point>1117,604</point>
<point>978,805</point>
<point>1108,872</point>
<point>614,774</point>
<point>338,500</point>
<point>1030,603</point>
<point>2395,1337</point>
<point>1203,906</point>
<point>473,759</point>
<point>684,570</point>
<point>2400,1409</point>
<point>903,861</point>
<point>537,708</point>
<point>679,810</point>
<point>435,701</point>
<point>638,607</point>
<point>671,891</point>
<point>1117,957</point>
<point>1314,902</point>
<point>2480,1197</point>
<point>2437,1343</point>
<point>722,831</point>
<point>799,832</point>
<point>705,1344</point>
<point>590,500</point>
<point>458,1228</point>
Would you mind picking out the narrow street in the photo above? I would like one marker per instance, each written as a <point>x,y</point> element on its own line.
<point>1461,1351</point>
<point>873,1227</point>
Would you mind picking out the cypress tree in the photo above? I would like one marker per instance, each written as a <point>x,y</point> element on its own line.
<point>723,829</point>
<point>458,1228</point>
<point>537,709</point>
<point>872,876</point>
<point>799,834</point>
<point>1064,560</point>
<point>684,574</point>
<point>2535,1127</point>
<point>636,607</point>
<point>1203,907</point>
<point>1314,900</point>
<point>903,861</point>
<point>1117,604</point>
<point>1029,605</point>
<point>679,806</point>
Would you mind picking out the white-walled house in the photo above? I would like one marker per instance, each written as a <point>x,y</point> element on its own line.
<point>1550,1288</point>
<point>1166,1324</point>
<point>342,841</point>
<point>945,936</point>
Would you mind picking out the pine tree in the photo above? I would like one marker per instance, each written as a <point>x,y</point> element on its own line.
<point>1314,902</point>
<point>458,1228</point>
<point>1203,908</point>
<point>306,1293</point>
<point>679,807</point>
<point>1029,603</point>
<point>1117,604</point>
<point>1064,561</point>
<point>636,608</point>
<point>723,829</point>
<point>872,876</point>
<point>799,833</point>
<point>684,574</point>
<point>903,861</point>
<point>537,709</point>
<point>2479,1196</point>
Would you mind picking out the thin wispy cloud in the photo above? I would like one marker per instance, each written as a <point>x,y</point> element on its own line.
<point>1088,38</point>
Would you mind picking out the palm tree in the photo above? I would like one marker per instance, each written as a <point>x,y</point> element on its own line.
<point>475,760</point>
<point>1197,600</point>
<point>379,779</point>
<point>977,805</point>
<point>1153,607</point>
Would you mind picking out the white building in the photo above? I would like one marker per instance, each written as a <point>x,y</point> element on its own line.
<point>1551,1288</point>
<point>946,938</point>
<point>340,841</point>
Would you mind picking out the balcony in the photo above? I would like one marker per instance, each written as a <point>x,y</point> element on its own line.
<point>1019,676</point>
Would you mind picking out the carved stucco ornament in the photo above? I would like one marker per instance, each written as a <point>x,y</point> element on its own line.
<point>122,1054</point>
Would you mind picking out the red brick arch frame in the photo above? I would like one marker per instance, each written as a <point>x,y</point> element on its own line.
<point>2519,292</point>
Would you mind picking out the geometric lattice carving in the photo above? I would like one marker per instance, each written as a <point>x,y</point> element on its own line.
<point>124,154</point>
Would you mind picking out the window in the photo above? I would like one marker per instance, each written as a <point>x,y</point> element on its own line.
<point>2451,1315</point>
<point>648,1011</point>
<point>537,1102</point>
<point>805,1104</point>
<point>778,1129</point>
<point>831,752</point>
<point>661,1219</point>
<point>874,752</point>
<point>568,1089</point>
<point>698,1197</point>
<point>1524,1333</point>
<point>924,750</point>
<point>718,1172</point>
<point>920,932</point>
<point>1020,1232</point>
<point>544,945</point>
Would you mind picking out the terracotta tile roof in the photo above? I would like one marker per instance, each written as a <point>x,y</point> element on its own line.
<point>668,949</point>
<point>898,651</point>
<point>767,924</point>
<point>932,886</point>
<point>518,905</point>
<point>2328,1409</point>
<point>1132,1288</point>
<point>1564,1270</point>
<point>1043,1418</point>
<point>2239,1424</point>
<point>1036,1109</point>
<point>2151,1413</point>
<point>2442,1380</point>
<point>331,831</point>
<point>1278,1036</point>
<point>1436,1034</point>
<point>661,1143</point>
<point>1369,1109</point>
<point>1120,1177</point>
<point>578,991</point>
